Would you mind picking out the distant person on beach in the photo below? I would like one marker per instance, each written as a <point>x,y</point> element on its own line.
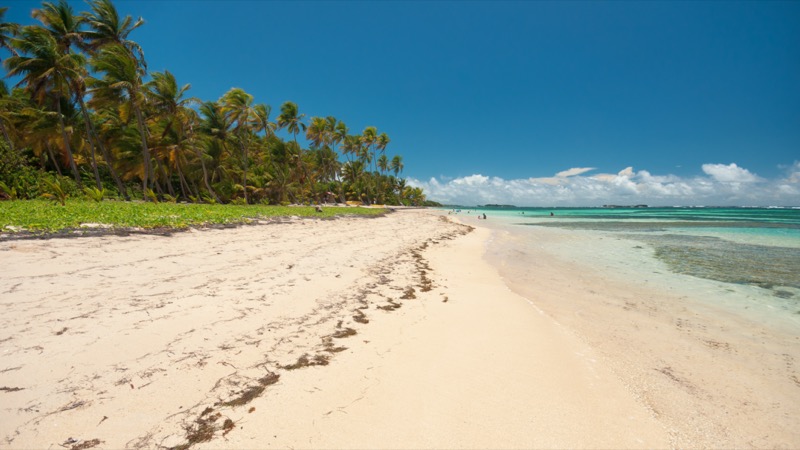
<point>484,215</point>
<point>551,214</point>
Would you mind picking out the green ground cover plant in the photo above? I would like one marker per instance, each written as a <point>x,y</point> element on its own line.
<point>43,216</point>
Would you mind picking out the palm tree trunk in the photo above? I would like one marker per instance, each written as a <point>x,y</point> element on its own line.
<point>244,153</point>
<point>94,154</point>
<point>145,151</point>
<point>193,188</point>
<point>166,174</point>
<point>53,159</point>
<point>181,179</point>
<point>72,164</point>
<point>5,135</point>
<point>205,175</point>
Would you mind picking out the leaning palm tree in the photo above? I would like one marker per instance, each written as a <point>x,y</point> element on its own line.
<point>106,28</point>
<point>46,73</point>
<point>122,80</point>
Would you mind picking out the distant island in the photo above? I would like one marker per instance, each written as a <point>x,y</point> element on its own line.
<point>625,206</point>
<point>496,206</point>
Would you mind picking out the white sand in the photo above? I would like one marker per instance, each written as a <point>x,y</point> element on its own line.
<point>141,341</point>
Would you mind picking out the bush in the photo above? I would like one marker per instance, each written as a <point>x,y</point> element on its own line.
<point>18,174</point>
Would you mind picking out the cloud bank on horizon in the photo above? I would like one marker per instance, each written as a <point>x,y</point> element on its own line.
<point>722,185</point>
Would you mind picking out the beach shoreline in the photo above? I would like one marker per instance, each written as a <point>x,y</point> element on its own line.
<point>717,367</point>
<point>393,332</point>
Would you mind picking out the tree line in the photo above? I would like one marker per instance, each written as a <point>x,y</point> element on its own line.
<point>88,115</point>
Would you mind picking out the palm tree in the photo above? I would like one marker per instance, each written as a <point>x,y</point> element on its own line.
<point>237,105</point>
<point>261,113</point>
<point>46,73</point>
<point>368,137</point>
<point>191,125</point>
<point>79,89</point>
<point>106,28</point>
<point>215,127</point>
<point>340,132</point>
<point>291,119</point>
<point>122,80</point>
<point>381,142</point>
<point>397,164</point>
<point>383,163</point>
<point>166,100</point>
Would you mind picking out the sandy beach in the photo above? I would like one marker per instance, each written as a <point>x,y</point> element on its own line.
<point>404,331</point>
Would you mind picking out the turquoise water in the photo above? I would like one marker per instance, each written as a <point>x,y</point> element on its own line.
<point>758,247</point>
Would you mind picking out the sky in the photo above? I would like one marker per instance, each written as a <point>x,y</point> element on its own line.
<point>533,103</point>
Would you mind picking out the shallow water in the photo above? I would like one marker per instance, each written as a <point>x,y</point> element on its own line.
<point>751,255</point>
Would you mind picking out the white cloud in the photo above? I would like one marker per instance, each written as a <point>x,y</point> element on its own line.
<point>794,173</point>
<point>574,171</point>
<point>730,173</point>
<point>722,185</point>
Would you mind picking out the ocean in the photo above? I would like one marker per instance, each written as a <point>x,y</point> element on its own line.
<point>743,259</point>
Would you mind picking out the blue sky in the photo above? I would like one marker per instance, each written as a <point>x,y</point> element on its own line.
<point>546,103</point>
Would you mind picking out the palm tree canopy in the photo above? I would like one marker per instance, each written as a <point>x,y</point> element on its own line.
<point>261,113</point>
<point>383,163</point>
<point>214,122</point>
<point>121,74</point>
<point>382,141</point>
<point>291,119</point>
<point>318,131</point>
<point>106,28</point>
<point>164,94</point>
<point>397,164</point>
<point>44,69</point>
<point>61,22</point>
<point>237,107</point>
<point>369,135</point>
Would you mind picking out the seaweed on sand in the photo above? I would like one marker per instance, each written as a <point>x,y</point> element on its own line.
<point>247,395</point>
<point>305,361</point>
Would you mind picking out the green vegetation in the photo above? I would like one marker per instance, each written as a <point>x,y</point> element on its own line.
<point>42,216</point>
<point>88,119</point>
